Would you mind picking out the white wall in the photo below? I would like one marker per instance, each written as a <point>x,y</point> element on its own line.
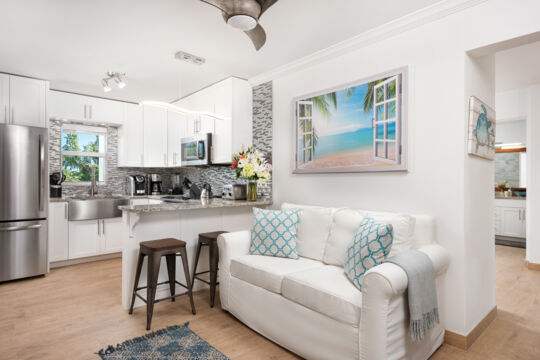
<point>533,174</point>
<point>511,105</point>
<point>441,176</point>
<point>512,132</point>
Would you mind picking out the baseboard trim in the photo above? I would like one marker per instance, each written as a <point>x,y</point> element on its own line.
<point>62,263</point>
<point>465,341</point>
<point>532,266</point>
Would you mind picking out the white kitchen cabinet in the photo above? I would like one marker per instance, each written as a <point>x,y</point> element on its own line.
<point>130,137</point>
<point>68,106</point>
<point>23,101</point>
<point>155,137</point>
<point>4,98</point>
<point>84,238</point>
<point>58,231</point>
<point>510,215</point>
<point>112,233</point>
<point>176,130</point>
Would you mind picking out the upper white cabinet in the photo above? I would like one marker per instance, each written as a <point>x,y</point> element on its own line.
<point>130,137</point>
<point>231,100</point>
<point>67,106</point>
<point>510,215</point>
<point>155,137</point>
<point>176,130</point>
<point>23,101</point>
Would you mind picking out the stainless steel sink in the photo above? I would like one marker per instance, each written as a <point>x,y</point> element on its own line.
<point>90,208</point>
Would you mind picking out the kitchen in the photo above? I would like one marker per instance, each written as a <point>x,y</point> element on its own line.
<point>105,155</point>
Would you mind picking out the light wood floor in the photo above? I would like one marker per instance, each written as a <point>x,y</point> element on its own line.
<point>75,311</point>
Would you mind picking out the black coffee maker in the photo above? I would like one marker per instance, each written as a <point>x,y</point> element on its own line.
<point>55,184</point>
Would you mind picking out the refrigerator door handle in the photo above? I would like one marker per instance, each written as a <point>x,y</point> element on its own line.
<point>18,228</point>
<point>41,188</point>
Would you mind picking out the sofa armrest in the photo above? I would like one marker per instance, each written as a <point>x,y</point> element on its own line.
<point>381,285</point>
<point>232,245</point>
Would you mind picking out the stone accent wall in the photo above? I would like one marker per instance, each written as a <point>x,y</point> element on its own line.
<point>507,169</point>
<point>216,176</point>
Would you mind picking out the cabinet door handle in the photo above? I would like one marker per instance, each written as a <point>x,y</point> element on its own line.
<point>6,120</point>
<point>98,227</point>
<point>85,111</point>
<point>12,115</point>
<point>66,211</point>
<point>102,227</point>
<point>91,107</point>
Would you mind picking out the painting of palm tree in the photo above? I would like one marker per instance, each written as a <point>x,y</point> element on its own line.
<point>345,126</point>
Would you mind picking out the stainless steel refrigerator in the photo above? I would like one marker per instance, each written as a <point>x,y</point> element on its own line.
<point>23,201</point>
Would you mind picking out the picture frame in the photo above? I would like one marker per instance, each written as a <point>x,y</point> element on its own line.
<point>359,126</point>
<point>481,134</point>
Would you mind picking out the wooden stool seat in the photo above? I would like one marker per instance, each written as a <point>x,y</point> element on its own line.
<point>209,239</point>
<point>163,244</point>
<point>155,249</point>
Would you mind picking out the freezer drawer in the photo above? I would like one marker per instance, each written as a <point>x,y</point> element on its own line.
<point>23,249</point>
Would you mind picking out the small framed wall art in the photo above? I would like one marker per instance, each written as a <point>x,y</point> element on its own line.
<point>481,138</point>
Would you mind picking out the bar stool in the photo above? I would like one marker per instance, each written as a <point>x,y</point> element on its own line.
<point>209,239</point>
<point>155,249</point>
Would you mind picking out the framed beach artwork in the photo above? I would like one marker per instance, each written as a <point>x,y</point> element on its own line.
<point>357,127</point>
<point>481,137</point>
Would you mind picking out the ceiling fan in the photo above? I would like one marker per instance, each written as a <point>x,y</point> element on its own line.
<point>245,15</point>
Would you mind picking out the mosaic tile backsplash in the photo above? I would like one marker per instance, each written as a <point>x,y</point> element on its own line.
<point>216,176</point>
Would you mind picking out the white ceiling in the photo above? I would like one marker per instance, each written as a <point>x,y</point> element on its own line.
<point>73,43</point>
<point>517,67</point>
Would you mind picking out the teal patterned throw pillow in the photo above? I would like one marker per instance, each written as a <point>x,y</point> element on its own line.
<point>274,233</point>
<point>371,244</point>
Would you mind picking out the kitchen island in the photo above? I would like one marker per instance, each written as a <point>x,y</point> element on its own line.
<point>184,221</point>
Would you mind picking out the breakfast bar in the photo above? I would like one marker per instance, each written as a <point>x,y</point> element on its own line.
<point>184,221</point>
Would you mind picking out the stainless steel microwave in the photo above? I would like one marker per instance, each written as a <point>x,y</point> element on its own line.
<point>196,150</point>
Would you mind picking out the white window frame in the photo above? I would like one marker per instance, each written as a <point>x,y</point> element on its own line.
<point>89,130</point>
<point>386,120</point>
<point>301,133</point>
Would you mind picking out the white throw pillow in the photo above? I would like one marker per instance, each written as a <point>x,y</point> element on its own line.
<point>344,226</point>
<point>403,229</point>
<point>313,229</point>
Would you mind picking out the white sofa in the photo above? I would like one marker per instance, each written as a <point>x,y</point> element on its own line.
<point>310,307</point>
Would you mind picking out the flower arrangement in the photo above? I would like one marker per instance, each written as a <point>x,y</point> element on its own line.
<point>502,187</point>
<point>252,165</point>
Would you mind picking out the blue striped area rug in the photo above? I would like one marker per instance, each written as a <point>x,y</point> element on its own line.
<point>172,342</point>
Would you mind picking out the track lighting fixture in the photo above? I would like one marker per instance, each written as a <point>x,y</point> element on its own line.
<point>118,79</point>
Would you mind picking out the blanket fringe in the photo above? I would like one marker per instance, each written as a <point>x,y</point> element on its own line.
<point>420,327</point>
<point>111,349</point>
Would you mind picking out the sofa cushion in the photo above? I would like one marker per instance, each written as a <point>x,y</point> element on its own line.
<point>403,229</point>
<point>313,229</point>
<point>326,290</point>
<point>371,245</point>
<point>274,233</point>
<point>268,272</point>
<point>344,225</point>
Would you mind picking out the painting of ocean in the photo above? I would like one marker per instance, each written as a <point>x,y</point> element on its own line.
<point>345,142</point>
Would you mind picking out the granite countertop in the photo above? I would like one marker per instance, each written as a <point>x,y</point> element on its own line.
<point>510,197</point>
<point>195,204</point>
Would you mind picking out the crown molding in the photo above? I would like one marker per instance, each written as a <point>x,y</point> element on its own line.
<point>418,18</point>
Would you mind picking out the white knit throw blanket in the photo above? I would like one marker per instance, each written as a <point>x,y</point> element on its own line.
<point>423,308</point>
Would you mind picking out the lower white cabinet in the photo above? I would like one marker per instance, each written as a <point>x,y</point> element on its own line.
<point>95,237</point>
<point>58,231</point>
<point>510,218</point>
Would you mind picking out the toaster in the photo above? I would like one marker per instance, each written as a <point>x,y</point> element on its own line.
<point>234,192</point>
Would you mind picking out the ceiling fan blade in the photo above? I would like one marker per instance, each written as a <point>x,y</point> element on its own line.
<point>265,5</point>
<point>257,36</point>
<point>225,6</point>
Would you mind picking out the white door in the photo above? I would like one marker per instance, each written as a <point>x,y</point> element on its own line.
<point>58,231</point>
<point>155,137</point>
<point>130,137</point>
<point>305,152</point>
<point>112,235</point>
<point>84,238</point>
<point>4,98</point>
<point>66,106</point>
<point>176,125</point>
<point>27,100</point>
<point>105,111</point>
<point>386,113</point>
<point>511,221</point>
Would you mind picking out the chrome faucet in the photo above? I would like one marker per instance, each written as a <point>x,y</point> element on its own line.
<point>93,186</point>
